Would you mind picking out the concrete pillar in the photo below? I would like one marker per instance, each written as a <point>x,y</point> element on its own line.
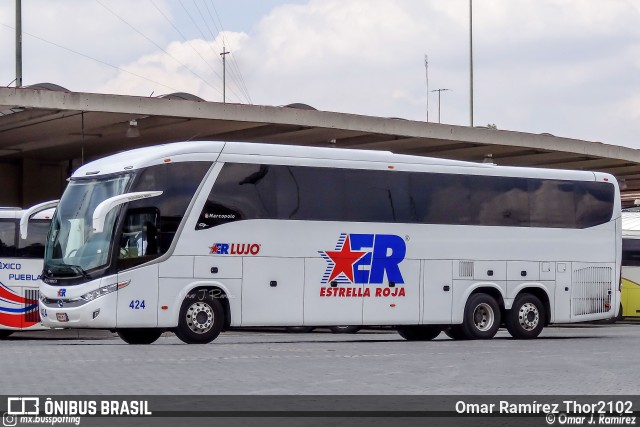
<point>10,185</point>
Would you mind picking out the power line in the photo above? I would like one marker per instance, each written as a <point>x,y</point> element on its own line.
<point>157,45</point>
<point>234,63</point>
<point>201,32</point>
<point>185,39</point>
<point>236,80</point>
<point>92,58</point>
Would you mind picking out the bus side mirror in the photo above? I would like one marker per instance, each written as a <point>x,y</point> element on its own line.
<point>100,214</point>
<point>26,215</point>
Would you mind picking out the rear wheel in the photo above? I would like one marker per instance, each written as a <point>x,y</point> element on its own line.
<point>481,317</point>
<point>201,318</point>
<point>419,332</point>
<point>345,329</point>
<point>455,332</point>
<point>5,334</point>
<point>526,318</point>
<point>139,335</point>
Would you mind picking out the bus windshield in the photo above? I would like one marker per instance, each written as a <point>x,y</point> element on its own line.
<point>73,248</point>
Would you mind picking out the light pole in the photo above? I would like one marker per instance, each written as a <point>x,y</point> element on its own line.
<point>471,63</point>
<point>224,73</point>
<point>426,70</point>
<point>439,92</point>
<point>18,43</point>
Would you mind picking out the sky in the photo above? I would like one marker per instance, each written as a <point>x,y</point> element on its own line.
<point>566,67</point>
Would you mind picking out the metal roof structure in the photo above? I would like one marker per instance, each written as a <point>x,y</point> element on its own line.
<point>60,125</point>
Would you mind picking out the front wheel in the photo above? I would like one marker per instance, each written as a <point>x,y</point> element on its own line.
<point>139,335</point>
<point>201,318</point>
<point>481,317</point>
<point>526,318</point>
<point>419,332</point>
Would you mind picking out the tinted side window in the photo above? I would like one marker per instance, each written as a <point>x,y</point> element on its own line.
<point>318,192</point>
<point>551,203</point>
<point>7,238</point>
<point>439,199</point>
<point>178,182</point>
<point>241,191</point>
<point>594,203</point>
<point>631,252</point>
<point>501,201</point>
<point>33,245</point>
<point>247,191</point>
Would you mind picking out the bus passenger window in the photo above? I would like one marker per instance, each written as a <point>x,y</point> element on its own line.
<point>7,238</point>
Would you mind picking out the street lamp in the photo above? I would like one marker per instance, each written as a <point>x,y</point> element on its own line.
<point>439,92</point>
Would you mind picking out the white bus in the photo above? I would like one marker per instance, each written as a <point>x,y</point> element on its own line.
<point>195,237</point>
<point>20,268</point>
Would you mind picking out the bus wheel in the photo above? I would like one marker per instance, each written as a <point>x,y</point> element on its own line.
<point>481,317</point>
<point>455,332</point>
<point>139,335</point>
<point>419,332</point>
<point>201,318</point>
<point>299,329</point>
<point>5,334</point>
<point>345,329</point>
<point>526,318</point>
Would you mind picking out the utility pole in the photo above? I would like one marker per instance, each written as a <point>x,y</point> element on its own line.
<point>439,92</point>
<point>471,63</point>
<point>426,70</point>
<point>18,43</point>
<point>224,73</point>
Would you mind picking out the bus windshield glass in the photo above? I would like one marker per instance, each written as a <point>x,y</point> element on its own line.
<point>73,248</point>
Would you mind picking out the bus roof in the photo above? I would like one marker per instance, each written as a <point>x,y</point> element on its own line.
<point>211,150</point>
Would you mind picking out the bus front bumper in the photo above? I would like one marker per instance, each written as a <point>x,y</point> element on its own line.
<point>78,313</point>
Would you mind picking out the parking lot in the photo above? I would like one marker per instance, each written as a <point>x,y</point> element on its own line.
<point>576,359</point>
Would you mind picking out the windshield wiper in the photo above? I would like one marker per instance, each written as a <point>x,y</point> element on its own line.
<point>79,270</point>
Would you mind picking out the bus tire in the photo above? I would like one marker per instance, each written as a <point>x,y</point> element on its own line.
<point>201,318</point>
<point>139,335</point>
<point>5,334</point>
<point>526,318</point>
<point>481,317</point>
<point>455,332</point>
<point>345,329</point>
<point>299,329</point>
<point>419,332</point>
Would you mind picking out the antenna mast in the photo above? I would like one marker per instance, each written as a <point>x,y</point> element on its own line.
<point>426,70</point>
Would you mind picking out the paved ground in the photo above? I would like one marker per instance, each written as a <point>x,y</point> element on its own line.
<point>585,359</point>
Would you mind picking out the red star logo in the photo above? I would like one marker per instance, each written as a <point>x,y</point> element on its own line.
<point>343,260</point>
<point>214,249</point>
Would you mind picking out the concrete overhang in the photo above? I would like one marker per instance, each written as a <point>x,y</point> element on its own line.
<point>61,125</point>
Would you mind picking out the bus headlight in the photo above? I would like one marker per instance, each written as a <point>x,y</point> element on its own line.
<point>90,296</point>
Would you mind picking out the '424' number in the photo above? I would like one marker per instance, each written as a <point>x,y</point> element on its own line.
<point>137,305</point>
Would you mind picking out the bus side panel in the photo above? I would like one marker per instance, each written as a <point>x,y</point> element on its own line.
<point>138,300</point>
<point>328,305</point>
<point>395,303</point>
<point>19,293</point>
<point>437,298</point>
<point>272,291</point>
<point>631,291</point>
<point>562,300</point>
